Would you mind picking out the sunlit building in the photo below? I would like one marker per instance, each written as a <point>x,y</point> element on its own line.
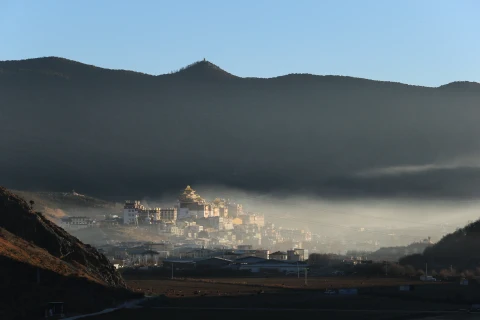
<point>168,214</point>
<point>219,208</point>
<point>234,209</point>
<point>132,211</point>
<point>256,219</point>
<point>191,205</point>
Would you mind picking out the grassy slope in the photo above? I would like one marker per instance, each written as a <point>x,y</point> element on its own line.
<point>68,270</point>
<point>23,251</point>
<point>56,205</point>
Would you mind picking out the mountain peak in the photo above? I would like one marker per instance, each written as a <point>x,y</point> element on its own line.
<point>461,86</point>
<point>204,69</point>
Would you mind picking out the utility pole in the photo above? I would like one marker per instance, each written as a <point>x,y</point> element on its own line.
<point>426,270</point>
<point>298,271</point>
<point>172,270</point>
<point>306,281</point>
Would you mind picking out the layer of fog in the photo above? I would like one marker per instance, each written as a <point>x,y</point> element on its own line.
<point>464,162</point>
<point>409,220</point>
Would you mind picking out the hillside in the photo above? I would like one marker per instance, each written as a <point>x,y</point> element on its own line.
<point>125,134</point>
<point>44,263</point>
<point>56,205</point>
<point>458,250</point>
<point>396,253</point>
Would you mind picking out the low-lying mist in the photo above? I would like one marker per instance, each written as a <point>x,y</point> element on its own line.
<point>352,219</point>
<point>349,219</point>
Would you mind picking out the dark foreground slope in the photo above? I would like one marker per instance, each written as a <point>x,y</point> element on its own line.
<point>121,133</point>
<point>458,250</point>
<point>40,262</point>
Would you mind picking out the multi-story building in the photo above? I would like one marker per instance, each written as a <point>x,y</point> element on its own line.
<point>295,235</point>
<point>257,219</point>
<point>135,213</point>
<point>234,209</point>
<point>219,208</point>
<point>279,255</point>
<point>192,231</point>
<point>191,205</point>
<point>223,211</point>
<point>168,214</point>
<point>154,214</point>
<point>147,216</point>
<point>228,224</point>
<point>172,229</point>
<point>131,212</point>
<point>220,223</point>
<point>297,255</point>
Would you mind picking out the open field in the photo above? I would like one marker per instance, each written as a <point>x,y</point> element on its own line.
<point>148,314</point>
<point>188,288</point>
<point>285,298</point>
<point>250,284</point>
<point>316,282</point>
<point>282,292</point>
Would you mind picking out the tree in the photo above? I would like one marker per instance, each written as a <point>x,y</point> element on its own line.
<point>396,270</point>
<point>409,271</point>
<point>319,259</point>
<point>31,204</point>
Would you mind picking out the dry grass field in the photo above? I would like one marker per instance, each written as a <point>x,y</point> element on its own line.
<point>154,314</point>
<point>249,285</point>
<point>285,298</point>
<point>189,288</point>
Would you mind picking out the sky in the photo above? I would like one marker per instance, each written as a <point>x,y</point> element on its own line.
<point>429,42</point>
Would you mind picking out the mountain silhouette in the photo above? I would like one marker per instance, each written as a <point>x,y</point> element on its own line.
<point>115,132</point>
<point>458,249</point>
<point>204,70</point>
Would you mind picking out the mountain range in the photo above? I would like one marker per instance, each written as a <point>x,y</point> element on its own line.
<point>121,133</point>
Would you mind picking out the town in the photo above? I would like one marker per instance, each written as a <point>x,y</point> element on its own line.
<point>220,231</point>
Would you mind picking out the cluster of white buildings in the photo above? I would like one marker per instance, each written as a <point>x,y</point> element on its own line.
<point>189,206</point>
<point>220,219</point>
<point>135,213</point>
<point>77,223</point>
<point>216,223</point>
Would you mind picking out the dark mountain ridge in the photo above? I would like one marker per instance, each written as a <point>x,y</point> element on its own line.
<point>457,250</point>
<point>113,133</point>
<point>199,70</point>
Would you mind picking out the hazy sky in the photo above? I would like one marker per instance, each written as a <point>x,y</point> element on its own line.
<point>418,42</point>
